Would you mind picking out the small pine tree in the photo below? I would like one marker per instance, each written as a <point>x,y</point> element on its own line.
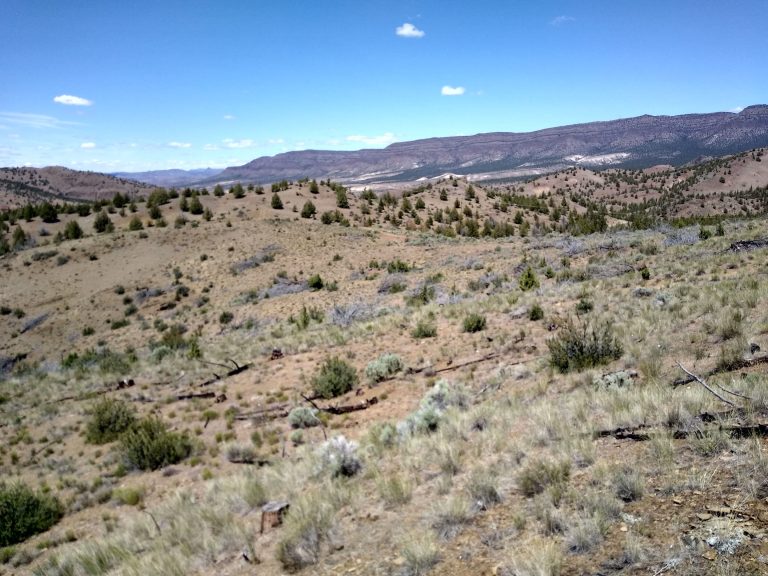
<point>528,280</point>
<point>341,198</point>
<point>195,206</point>
<point>218,191</point>
<point>277,204</point>
<point>102,223</point>
<point>309,210</point>
<point>72,230</point>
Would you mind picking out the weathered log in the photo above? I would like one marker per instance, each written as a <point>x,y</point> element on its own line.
<point>192,395</point>
<point>336,410</point>
<point>730,367</point>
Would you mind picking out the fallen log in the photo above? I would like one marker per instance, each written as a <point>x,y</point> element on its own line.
<point>747,245</point>
<point>233,372</point>
<point>730,367</point>
<point>192,395</point>
<point>451,367</point>
<point>336,410</point>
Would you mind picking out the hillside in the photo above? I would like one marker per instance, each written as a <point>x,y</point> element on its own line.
<point>472,448</point>
<point>638,142</point>
<point>21,185</point>
<point>169,178</point>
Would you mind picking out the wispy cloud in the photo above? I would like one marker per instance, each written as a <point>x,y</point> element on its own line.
<point>382,140</point>
<point>70,100</point>
<point>229,117</point>
<point>453,90</point>
<point>243,143</point>
<point>210,147</point>
<point>408,30</point>
<point>560,20</point>
<point>179,144</point>
<point>88,145</point>
<point>32,120</point>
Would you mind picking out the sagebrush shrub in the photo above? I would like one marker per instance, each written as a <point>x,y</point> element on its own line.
<point>24,513</point>
<point>303,417</point>
<point>582,346</point>
<point>336,377</point>
<point>383,367</point>
<point>339,457</point>
<point>149,445</point>
<point>110,417</point>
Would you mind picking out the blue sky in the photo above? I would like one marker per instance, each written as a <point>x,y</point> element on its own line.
<point>155,84</point>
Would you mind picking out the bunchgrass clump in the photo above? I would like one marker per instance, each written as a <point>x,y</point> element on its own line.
<point>538,475</point>
<point>424,329</point>
<point>582,346</point>
<point>420,552</point>
<point>473,323</point>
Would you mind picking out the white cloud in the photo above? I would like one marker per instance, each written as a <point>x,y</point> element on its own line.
<point>179,144</point>
<point>452,90</point>
<point>32,120</point>
<point>243,143</point>
<point>560,20</point>
<point>408,30</point>
<point>72,100</point>
<point>210,147</point>
<point>229,117</point>
<point>88,145</point>
<point>381,140</point>
<point>737,109</point>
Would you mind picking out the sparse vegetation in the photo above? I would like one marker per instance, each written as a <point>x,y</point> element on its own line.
<point>24,513</point>
<point>149,445</point>
<point>335,377</point>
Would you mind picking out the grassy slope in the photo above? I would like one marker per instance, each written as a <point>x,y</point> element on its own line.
<point>702,305</point>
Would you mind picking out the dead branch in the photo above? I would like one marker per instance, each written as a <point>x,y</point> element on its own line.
<point>704,384</point>
<point>730,367</point>
<point>235,371</point>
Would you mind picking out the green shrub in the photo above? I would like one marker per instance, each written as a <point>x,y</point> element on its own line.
<point>135,224</point>
<point>473,323</point>
<point>584,306</point>
<point>583,346</point>
<point>149,445</point>
<point>336,377</point>
<point>225,317</point>
<point>110,417</point>
<point>315,282</point>
<point>528,280</point>
<point>383,367</point>
<point>102,223</point>
<point>24,513</point>
<point>72,230</point>
<point>308,210</point>
<point>398,266</point>
<point>277,204</point>
<point>536,312</point>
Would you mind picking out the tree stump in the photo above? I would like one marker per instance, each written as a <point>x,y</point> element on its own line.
<point>272,514</point>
